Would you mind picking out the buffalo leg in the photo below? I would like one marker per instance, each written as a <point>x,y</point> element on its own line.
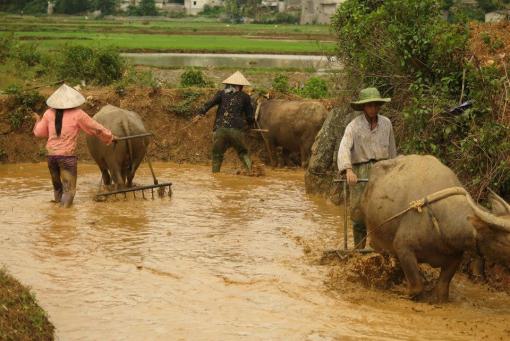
<point>115,174</point>
<point>304,156</point>
<point>107,180</point>
<point>447,271</point>
<point>409,264</point>
<point>137,159</point>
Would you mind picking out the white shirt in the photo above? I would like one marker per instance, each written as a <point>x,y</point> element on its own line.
<point>361,144</point>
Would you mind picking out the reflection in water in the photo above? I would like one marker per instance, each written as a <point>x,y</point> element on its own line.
<point>221,260</point>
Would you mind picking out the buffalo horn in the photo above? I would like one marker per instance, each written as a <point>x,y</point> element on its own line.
<point>500,200</point>
<point>501,223</point>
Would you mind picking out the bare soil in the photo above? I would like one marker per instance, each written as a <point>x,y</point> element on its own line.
<point>176,138</point>
<point>490,43</point>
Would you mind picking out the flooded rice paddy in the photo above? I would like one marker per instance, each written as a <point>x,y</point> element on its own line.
<point>224,259</point>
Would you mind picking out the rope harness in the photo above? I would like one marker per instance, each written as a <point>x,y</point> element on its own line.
<point>418,206</point>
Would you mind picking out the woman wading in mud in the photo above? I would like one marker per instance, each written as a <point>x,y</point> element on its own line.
<point>61,124</point>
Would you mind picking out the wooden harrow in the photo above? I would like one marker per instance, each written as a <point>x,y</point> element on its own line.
<point>345,252</point>
<point>161,189</point>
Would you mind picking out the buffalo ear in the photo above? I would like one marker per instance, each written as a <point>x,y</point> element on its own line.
<point>478,224</point>
<point>497,208</point>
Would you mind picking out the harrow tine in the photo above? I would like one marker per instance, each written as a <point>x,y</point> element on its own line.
<point>161,188</point>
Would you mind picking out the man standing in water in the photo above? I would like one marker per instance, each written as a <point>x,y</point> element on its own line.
<point>234,110</point>
<point>368,138</point>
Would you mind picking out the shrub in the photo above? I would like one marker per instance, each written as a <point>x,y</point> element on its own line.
<point>212,11</point>
<point>287,18</point>
<point>28,54</point>
<point>101,66</point>
<point>108,66</point>
<point>36,7</point>
<point>408,51</point>
<point>315,88</point>
<point>279,18</point>
<point>188,105</point>
<point>193,78</point>
<point>22,104</point>
<point>176,14</point>
<point>7,41</point>
<point>281,83</point>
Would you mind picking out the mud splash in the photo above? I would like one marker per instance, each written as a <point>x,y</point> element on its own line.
<point>228,257</point>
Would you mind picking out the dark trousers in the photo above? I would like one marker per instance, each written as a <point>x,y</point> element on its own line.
<point>63,171</point>
<point>223,138</point>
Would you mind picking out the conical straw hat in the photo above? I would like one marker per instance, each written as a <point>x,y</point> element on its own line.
<point>236,79</point>
<point>65,97</point>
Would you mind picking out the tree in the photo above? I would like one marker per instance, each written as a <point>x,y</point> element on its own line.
<point>147,7</point>
<point>233,10</point>
<point>28,6</point>
<point>72,6</point>
<point>36,6</point>
<point>105,6</point>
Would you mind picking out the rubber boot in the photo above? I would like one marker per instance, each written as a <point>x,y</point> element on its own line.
<point>67,199</point>
<point>57,196</point>
<point>216,164</point>
<point>359,232</point>
<point>245,158</point>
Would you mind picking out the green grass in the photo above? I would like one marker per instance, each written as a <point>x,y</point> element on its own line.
<point>174,25</point>
<point>175,35</point>
<point>21,318</point>
<point>184,43</point>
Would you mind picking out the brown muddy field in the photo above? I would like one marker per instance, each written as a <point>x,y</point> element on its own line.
<point>228,257</point>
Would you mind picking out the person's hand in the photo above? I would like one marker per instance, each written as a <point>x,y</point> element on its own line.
<point>114,138</point>
<point>36,117</point>
<point>352,179</point>
<point>196,118</point>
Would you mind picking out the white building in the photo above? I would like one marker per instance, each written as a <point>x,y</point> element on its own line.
<point>318,11</point>
<point>193,7</point>
<point>497,16</point>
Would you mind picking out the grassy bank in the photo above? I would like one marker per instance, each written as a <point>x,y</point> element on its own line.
<point>200,25</point>
<point>179,43</point>
<point>21,318</point>
<point>172,36</point>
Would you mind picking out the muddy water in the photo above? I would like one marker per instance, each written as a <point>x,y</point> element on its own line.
<point>227,258</point>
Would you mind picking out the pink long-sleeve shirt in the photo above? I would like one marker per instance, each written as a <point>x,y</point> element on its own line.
<point>73,121</point>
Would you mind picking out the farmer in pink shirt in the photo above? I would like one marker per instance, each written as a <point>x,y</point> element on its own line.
<point>61,124</point>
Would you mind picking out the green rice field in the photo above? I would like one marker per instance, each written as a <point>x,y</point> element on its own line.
<point>177,35</point>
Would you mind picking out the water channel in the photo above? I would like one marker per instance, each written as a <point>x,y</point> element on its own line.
<point>218,261</point>
<point>233,60</point>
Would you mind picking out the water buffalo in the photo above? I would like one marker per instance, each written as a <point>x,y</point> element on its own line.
<point>291,125</point>
<point>451,224</point>
<point>119,161</point>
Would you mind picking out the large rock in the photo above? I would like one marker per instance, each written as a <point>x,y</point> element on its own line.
<point>322,168</point>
